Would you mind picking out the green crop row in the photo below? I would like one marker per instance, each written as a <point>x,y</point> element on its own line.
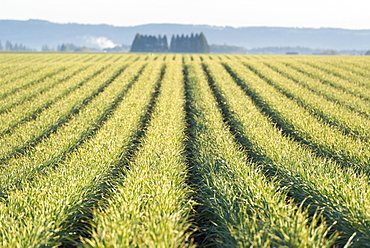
<point>347,74</point>
<point>31,108</point>
<point>53,209</point>
<point>330,112</point>
<point>23,59</point>
<point>184,150</point>
<point>298,122</point>
<point>357,90</point>
<point>319,184</point>
<point>10,72</point>
<point>151,205</point>
<point>238,206</point>
<point>40,125</point>
<point>26,94</point>
<point>29,80</point>
<point>53,150</point>
<point>337,96</point>
<point>357,67</point>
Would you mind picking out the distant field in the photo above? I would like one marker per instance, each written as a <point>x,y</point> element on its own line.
<point>182,150</point>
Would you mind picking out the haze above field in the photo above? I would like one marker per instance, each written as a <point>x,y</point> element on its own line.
<point>236,13</point>
<point>36,33</point>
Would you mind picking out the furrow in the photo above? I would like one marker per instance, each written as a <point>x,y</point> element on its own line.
<point>26,82</point>
<point>358,91</point>
<point>342,74</point>
<point>52,151</point>
<point>32,132</point>
<point>65,204</point>
<point>315,183</point>
<point>349,122</point>
<point>332,94</point>
<point>24,95</point>
<point>299,124</point>
<point>150,207</point>
<point>237,206</point>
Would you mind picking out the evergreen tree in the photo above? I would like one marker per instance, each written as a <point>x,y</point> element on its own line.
<point>179,43</point>
<point>193,43</point>
<point>1,47</point>
<point>64,48</point>
<point>189,44</point>
<point>149,43</point>
<point>164,44</point>
<point>204,47</point>
<point>173,44</point>
<point>136,44</point>
<point>45,48</point>
<point>8,46</point>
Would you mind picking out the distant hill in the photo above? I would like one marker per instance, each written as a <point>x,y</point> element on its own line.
<point>36,33</point>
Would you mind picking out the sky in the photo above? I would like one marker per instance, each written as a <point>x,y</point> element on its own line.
<point>353,14</point>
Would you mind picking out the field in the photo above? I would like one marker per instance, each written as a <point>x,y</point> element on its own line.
<point>184,150</point>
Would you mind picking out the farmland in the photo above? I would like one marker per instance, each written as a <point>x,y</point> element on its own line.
<point>184,150</point>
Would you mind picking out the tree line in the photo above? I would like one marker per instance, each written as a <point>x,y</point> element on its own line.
<point>149,43</point>
<point>9,46</point>
<point>179,44</point>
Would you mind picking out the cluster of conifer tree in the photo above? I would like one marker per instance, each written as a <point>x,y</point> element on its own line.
<point>179,44</point>
<point>149,43</point>
<point>14,47</point>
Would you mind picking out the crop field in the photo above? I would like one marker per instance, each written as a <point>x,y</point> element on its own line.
<point>184,150</point>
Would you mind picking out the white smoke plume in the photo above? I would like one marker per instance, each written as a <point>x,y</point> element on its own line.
<point>102,42</point>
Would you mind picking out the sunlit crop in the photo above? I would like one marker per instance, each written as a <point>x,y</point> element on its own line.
<point>184,150</point>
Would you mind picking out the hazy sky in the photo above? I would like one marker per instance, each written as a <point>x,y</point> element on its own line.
<point>353,14</point>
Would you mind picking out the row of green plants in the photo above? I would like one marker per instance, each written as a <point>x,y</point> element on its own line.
<point>29,80</point>
<point>27,103</point>
<point>51,151</point>
<point>27,94</point>
<point>54,208</point>
<point>350,74</point>
<point>335,95</point>
<point>355,89</point>
<point>177,150</point>
<point>333,113</point>
<point>21,59</point>
<point>238,205</point>
<point>340,194</point>
<point>11,72</point>
<point>298,122</point>
<point>29,132</point>
<point>29,117</point>
<point>150,204</point>
<point>359,67</point>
